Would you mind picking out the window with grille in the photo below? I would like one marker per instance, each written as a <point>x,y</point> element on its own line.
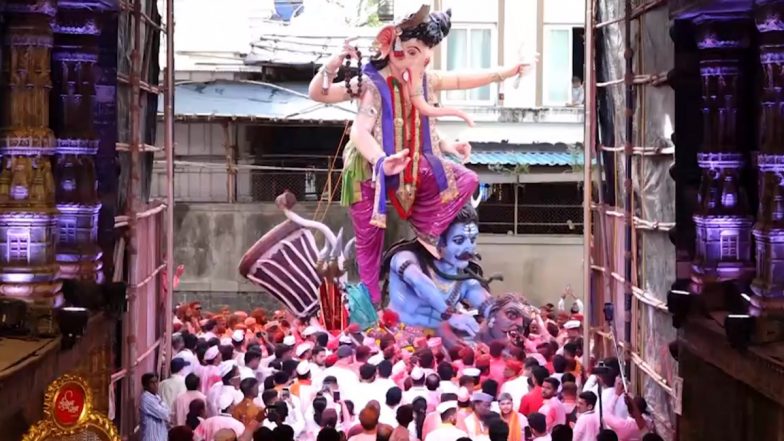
<point>729,246</point>
<point>68,231</point>
<point>18,245</point>
<point>470,47</point>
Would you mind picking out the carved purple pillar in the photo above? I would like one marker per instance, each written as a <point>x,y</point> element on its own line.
<point>74,60</point>
<point>27,205</point>
<point>769,229</point>
<point>722,217</point>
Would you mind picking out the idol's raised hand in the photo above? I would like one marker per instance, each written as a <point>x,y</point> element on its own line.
<point>461,149</point>
<point>465,323</point>
<point>347,52</point>
<point>396,163</point>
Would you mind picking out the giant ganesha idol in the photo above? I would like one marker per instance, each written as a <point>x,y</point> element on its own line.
<point>395,153</point>
<point>287,263</point>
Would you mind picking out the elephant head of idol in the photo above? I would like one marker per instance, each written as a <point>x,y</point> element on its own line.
<point>332,257</point>
<point>407,49</point>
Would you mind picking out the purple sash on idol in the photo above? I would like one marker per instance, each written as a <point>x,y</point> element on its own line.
<point>388,135</point>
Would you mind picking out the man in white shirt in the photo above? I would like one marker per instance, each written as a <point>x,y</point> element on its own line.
<point>341,370</point>
<point>188,354</point>
<point>221,420</point>
<point>238,342</point>
<point>368,388</point>
<point>317,366</point>
<point>447,430</point>
<point>616,407</point>
<point>309,334</point>
<point>303,385</point>
<point>388,412</point>
<point>250,366</point>
<point>212,359</point>
<point>587,426</point>
<point>446,373</point>
<point>538,424</point>
<point>383,374</point>
<point>170,388</point>
<point>183,401</point>
<point>418,388</point>
<point>207,330</point>
<point>516,384</point>
<point>229,384</point>
<point>304,351</point>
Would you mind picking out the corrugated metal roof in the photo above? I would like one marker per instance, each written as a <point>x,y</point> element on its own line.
<point>254,101</point>
<point>303,49</point>
<point>541,154</point>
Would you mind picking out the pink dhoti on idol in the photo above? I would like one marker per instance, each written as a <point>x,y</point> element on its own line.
<point>428,194</point>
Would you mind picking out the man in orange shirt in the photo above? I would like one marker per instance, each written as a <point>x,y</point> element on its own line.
<point>533,400</point>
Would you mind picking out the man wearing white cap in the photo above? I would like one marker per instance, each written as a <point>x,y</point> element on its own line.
<point>447,430</point>
<point>228,386</point>
<point>222,420</point>
<point>309,334</point>
<point>418,388</point>
<point>302,386</point>
<point>238,341</point>
<point>212,359</point>
<point>289,341</point>
<point>303,351</point>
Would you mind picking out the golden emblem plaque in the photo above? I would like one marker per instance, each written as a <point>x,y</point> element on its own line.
<point>69,414</point>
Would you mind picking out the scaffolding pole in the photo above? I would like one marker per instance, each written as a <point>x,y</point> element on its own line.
<point>590,142</point>
<point>135,212</point>
<point>627,185</point>
<point>168,143</point>
<point>132,209</point>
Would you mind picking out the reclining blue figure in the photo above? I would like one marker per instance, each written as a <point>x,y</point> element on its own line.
<point>426,292</point>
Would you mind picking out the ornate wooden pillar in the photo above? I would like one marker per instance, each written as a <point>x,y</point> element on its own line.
<point>74,60</point>
<point>722,216</point>
<point>769,229</point>
<point>27,205</point>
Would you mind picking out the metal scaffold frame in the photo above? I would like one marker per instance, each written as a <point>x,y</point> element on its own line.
<point>607,249</point>
<point>137,211</point>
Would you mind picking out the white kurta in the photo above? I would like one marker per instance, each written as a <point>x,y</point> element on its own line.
<point>446,432</point>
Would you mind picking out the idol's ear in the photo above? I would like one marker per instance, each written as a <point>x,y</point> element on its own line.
<point>385,39</point>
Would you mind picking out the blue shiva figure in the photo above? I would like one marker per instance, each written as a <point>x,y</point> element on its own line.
<point>425,291</point>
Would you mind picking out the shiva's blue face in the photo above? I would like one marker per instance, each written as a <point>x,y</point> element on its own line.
<point>458,244</point>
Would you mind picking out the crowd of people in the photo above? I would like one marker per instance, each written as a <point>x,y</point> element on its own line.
<point>239,376</point>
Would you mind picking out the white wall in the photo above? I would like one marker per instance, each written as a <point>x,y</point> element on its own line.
<point>517,133</point>
<point>520,40</point>
<point>467,11</point>
<point>539,267</point>
<point>564,12</point>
